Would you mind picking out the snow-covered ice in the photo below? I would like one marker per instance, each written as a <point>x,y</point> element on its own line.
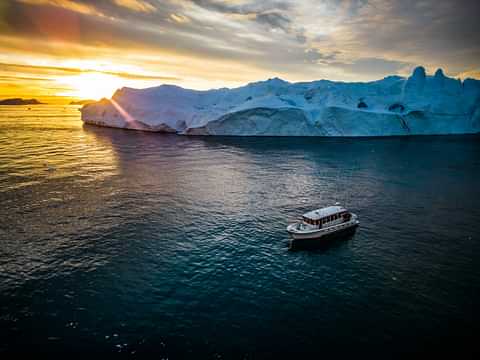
<point>417,105</point>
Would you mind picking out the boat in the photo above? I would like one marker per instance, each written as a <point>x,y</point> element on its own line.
<point>324,222</point>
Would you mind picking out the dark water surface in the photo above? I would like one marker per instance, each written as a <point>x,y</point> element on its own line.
<point>126,243</point>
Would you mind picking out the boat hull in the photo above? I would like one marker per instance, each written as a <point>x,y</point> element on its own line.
<point>322,242</point>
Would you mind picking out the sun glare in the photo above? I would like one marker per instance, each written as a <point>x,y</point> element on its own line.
<point>91,85</point>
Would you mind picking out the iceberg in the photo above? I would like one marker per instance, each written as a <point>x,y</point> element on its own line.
<point>418,105</point>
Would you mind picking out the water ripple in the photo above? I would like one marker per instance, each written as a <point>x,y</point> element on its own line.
<point>137,239</point>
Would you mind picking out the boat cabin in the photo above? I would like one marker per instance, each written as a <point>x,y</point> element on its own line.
<point>327,216</point>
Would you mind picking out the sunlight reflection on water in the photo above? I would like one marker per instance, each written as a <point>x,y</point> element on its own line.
<point>183,239</point>
<point>47,143</point>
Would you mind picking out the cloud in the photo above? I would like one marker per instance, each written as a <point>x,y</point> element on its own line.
<point>15,78</point>
<point>374,66</point>
<point>179,18</point>
<point>223,42</point>
<point>431,32</point>
<point>272,14</point>
<point>245,7</point>
<point>274,19</point>
<point>136,5</point>
<point>58,70</point>
<point>65,4</point>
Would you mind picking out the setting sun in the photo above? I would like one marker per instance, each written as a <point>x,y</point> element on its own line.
<point>90,85</point>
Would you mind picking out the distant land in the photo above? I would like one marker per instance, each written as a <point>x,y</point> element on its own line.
<point>82,102</point>
<point>20,101</point>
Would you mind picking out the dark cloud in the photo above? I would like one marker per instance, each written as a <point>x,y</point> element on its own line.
<point>250,7</point>
<point>274,14</point>
<point>315,57</point>
<point>274,20</point>
<point>435,31</point>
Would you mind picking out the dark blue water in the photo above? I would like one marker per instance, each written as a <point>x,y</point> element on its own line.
<point>126,243</point>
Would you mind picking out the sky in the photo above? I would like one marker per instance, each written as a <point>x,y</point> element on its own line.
<point>63,49</point>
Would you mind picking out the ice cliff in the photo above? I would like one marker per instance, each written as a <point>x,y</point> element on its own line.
<point>417,105</point>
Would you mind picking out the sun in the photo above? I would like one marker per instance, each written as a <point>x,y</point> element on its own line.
<point>91,85</point>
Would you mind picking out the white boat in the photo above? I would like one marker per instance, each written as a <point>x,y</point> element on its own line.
<point>331,220</point>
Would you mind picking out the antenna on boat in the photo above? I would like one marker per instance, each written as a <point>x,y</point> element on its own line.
<point>348,177</point>
<point>347,191</point>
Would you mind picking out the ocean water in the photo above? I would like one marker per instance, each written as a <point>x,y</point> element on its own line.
<point>127,243</point>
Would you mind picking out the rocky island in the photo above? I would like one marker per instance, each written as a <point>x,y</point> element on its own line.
<point>20,101</point>
<point>418,105</point>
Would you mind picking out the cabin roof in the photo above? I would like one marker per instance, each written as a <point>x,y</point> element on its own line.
<point>321,213</point>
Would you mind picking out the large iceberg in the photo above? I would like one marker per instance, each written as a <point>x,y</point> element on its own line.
<point>417,105</point>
